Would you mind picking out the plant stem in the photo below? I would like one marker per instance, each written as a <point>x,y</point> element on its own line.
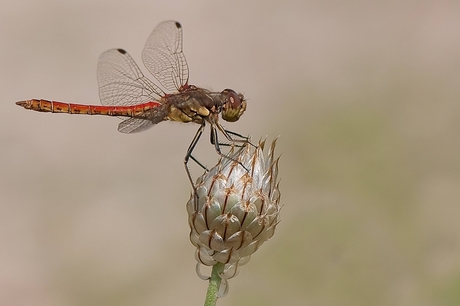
<point>214,284</point>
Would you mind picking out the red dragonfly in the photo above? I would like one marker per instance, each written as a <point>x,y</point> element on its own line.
<point>126,92</point>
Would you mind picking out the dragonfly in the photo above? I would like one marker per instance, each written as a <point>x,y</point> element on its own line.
<point>125,92</point>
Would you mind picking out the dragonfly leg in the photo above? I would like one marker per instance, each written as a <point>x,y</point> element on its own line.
<point>217,144</point>
<point>198,163</point>
<point>228,134</point>
<point>236,134</point>
<point>244,139</point>
<point>189,155</point>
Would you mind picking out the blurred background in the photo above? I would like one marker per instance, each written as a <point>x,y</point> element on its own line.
<point>365,96</point>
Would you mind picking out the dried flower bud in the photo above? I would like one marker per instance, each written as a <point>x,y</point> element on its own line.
<point>235,208</point>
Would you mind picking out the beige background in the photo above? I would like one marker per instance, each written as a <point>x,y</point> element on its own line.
<point>365,96</point>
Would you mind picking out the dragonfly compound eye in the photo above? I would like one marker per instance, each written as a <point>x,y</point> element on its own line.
<point>234,106</point>
<point>233,99</point>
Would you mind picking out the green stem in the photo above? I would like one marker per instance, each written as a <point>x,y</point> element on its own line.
<point>214,284</point>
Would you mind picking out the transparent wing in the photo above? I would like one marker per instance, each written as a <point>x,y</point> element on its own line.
<point>151,117</point>
<point>164,58</point>
<point>133,125</point>
<point>121,82</point>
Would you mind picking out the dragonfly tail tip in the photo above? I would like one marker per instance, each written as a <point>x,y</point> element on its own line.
<point>21,103</point>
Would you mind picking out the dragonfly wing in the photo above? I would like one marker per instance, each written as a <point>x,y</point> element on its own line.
<point>121,82</point>
<point>151,117</point>
<point>133,125</point>
<point>164,58</point>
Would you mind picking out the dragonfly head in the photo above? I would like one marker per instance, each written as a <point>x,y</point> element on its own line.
<point>234,105</point>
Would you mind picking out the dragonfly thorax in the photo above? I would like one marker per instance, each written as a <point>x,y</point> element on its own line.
<point>197,104</point>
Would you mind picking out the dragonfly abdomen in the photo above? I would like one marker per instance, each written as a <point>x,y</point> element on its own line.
<point>70,108</point>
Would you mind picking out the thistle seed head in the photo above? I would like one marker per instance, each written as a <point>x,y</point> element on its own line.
<point>235,207</point>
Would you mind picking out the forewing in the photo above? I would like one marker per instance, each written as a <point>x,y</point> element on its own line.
<point>121,82</point>
<point>164,58</point>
